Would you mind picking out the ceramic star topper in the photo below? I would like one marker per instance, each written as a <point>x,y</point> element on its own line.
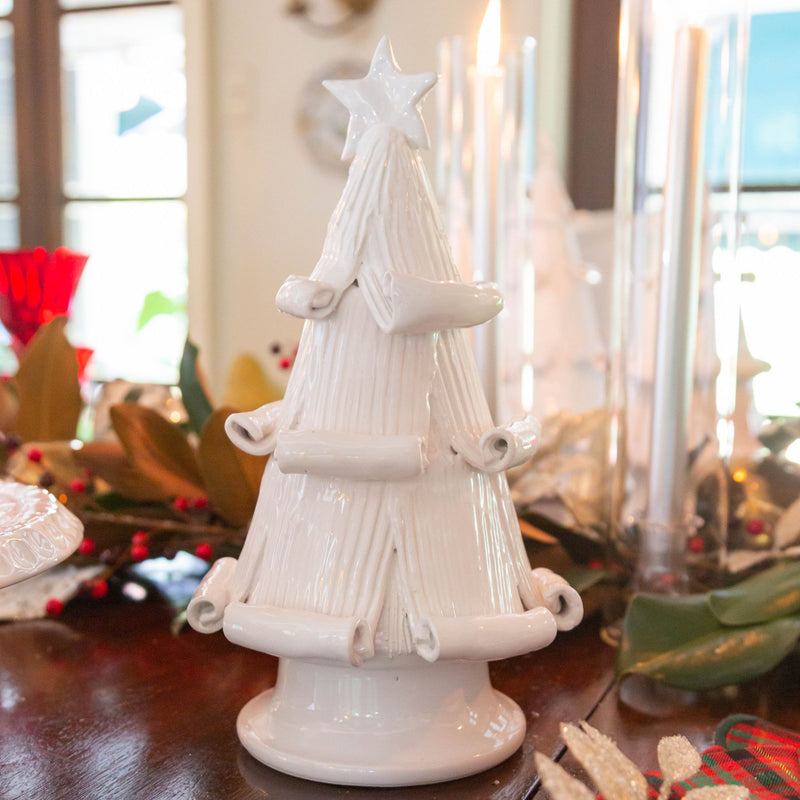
<point>384,95</point>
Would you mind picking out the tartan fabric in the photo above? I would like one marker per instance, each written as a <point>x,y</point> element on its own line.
<point>750,752</point>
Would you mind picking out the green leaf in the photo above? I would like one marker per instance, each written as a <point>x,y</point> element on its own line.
<point>584,578</point>
<point>770,594</point>
<point>114,501</point>
<point>656,624</point>
<point>156,303</point>
<point>195,398</point>
<point>728,656</point>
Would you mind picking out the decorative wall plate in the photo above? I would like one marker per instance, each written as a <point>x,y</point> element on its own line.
<point>322,119</point>
<point>36,531</point>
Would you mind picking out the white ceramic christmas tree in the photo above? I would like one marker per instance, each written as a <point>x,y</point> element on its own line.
<point>384,564</point>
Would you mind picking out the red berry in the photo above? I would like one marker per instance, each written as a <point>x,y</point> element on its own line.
<point>180,504</point>
<point>754,526</point>
<point>99,589</point>
<point>86,547</point>
<point>204,551</point>
<point>697,545</point>
<point>139,552</point>
<point>35,455</point>
<point>285,363</point>
<point>140,537</point>
<point>77,485</point>
<point>53,607</point>
<point>200,502</point>
<point>595,563</point>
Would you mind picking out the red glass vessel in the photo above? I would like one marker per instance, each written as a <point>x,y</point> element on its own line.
<point>35,286</point>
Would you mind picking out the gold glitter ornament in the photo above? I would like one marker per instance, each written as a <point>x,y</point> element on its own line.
<point>613,773</point>
<point>558,782</point>
<point>678,760</point>
<point>718,793</point>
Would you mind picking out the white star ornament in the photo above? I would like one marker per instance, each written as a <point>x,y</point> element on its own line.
<point>384,95</point>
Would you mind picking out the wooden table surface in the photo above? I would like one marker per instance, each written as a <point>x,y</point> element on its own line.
<point>105,702</point>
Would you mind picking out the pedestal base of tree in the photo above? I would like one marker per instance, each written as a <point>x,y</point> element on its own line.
<point>393,722</point>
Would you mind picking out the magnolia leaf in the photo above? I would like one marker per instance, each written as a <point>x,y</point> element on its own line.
<point>655,624</point>
<point>158,449</point>
<point>773,593</point>
<point>728,656</point>
<point>232,477</point>
<point>741,560</point>
<point>787,528</point>
<point>677,760</point>
<point>47,386</point>
<point>558,782</point>
<point>110,462</point>
<point>247,385</point>
<point>9,406</point>
<point>56,458</point>
<point>584,578</point>
<point>193,390</point>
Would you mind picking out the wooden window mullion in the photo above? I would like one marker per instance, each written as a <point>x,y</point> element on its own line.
<point>39,131</point>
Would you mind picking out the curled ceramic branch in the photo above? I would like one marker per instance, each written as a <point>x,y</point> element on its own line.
<point>561,599</point>
<point>349,455</point>
<point>421,305</point>
<point>501,448</point>
<point>307,298</point>
<point>207,607</point>
<point>290,633</point>
<point>484,638</point>
<point>256,432</point>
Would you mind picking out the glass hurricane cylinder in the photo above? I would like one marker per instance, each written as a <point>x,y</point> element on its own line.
<point>676,341</point>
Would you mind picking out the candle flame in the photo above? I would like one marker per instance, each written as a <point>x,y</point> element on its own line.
<point>489,38</point>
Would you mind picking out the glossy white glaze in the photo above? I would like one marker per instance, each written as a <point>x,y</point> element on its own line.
<point>36,531</point>
<point>207,607</point>
<point>255,432</point>
<point>384,95</point>
<point>360,457</point>
<point>384,537</point>
<point>398,722</point>
<point>299,634</point>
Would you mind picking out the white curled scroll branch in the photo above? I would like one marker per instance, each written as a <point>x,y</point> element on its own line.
<point>307,298</point>
<point>256,432</point>
<point>561,599</point>
<point>501,448</point>
<point>207,608</point>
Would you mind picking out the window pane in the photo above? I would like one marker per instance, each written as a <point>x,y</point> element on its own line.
<point>769,258</point>
<point>8,139</point>
<point>134,248</point>
<point>6,7</point>
<point>124,93</point>
<point>9,226</point>
<point>772,113</point>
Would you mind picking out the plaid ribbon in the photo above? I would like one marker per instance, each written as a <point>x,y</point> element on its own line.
<point>750,752</point>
